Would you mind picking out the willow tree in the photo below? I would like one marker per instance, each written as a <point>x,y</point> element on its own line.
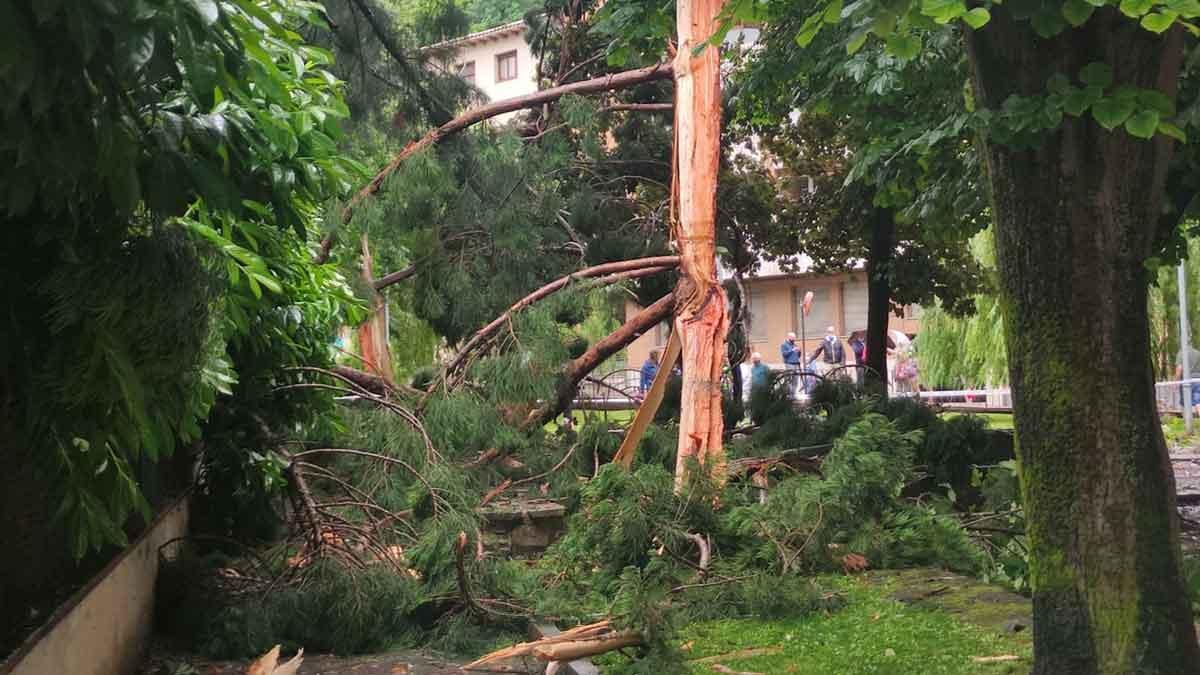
<point>1074,101</point>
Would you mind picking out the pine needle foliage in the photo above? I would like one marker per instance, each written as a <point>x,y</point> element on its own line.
<point>808,522</point>
<point>333,612</point>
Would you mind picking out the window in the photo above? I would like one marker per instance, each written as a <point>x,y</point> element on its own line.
<point>467,71</point>
<point>822,311</point>
<point>756,314</point>
<point>854,304</point>
<point>506,66</point>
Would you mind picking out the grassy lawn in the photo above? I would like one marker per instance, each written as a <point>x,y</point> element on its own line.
<point>872,634</point>
<point>582,417</point>
<point>994,420</point>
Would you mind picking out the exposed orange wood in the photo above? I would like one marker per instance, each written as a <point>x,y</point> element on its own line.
<point>648,408</point>
<point>700,317</point>
<point>372,334</point>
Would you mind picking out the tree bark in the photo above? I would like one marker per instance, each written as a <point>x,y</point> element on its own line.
<point>700,313</point>
<point>579,368</point>
<point>372,333</point>
<point>1075,220</point>
<point>879,293</point>
<point>394,277</point>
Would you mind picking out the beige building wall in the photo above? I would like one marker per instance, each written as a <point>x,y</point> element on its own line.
<point>105,627</point>
<point>483,50</point>
<point>840,300</point>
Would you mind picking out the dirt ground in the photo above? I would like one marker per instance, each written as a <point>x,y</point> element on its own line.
<point>394,663</point>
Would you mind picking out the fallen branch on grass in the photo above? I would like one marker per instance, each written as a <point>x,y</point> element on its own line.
<point>584,640</point>
<point>701,542</point>
<point>797,461</point>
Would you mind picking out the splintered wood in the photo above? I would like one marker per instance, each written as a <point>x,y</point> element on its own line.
<point>576,643</point>
<point>268,664</point>
<point>700,317</point>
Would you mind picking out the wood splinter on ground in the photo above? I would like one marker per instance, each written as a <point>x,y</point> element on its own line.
<point>1003,658</point>
<point>730,671</point>
<point>268,664</point>
<point>576,643</point>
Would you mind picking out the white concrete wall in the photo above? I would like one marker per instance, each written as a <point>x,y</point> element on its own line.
<point>484,55</point>
<point>104,627</point>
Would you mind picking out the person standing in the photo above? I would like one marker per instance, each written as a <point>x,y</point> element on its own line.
<point>1192,390</point>
<point>859,349</point>
<point>760,374</point>
<point>831,352</point>
<point>792,360</point>
<point>649,370</point>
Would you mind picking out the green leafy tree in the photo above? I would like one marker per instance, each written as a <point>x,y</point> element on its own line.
<point>1076,105</point>
<point>163,163</point>
<point>861,189</point>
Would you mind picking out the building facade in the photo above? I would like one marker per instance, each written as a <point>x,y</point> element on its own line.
<point>775,298</point>
<point>498,61</point>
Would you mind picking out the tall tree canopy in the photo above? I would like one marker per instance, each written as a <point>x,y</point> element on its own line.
<point>1075,103</point>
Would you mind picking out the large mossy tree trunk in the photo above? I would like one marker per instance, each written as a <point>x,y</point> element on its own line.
<point>1075,220</point>
<point>700,314</point>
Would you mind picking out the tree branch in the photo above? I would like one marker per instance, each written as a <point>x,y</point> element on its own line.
<point>638,107</point>
<point>576,370</point>
<point>617,271</point>
<point>394,278</point>
<point>433,108</point>
<point>595,85</point>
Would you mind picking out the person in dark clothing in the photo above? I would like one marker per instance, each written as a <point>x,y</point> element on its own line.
<point>830,352</point>
<point>858,347</point>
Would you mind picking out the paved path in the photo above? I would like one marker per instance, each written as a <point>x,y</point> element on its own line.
<point>1186,462</point>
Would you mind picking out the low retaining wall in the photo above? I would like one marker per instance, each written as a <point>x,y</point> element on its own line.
<point>103,628</point>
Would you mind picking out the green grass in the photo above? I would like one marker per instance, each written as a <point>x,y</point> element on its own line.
<point>1002,420</point>
<point>871,634</point>
<point>581,417</point>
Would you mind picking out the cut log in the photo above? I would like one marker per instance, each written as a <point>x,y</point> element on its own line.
<point>579,649</point>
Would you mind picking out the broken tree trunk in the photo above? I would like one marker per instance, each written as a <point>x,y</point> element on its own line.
<point>649,407</point>
<point>581,649</point>
<point>700,317</point>
<point>372,334</point>
<point>579,368</point>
